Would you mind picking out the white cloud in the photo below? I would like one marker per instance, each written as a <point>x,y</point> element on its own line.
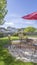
<point>9,24</point>
<point>29,22</point>
<point>18,22</point>
<point>15,20</point>
<point>6,24</point>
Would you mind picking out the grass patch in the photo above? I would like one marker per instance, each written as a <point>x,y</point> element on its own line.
<point>3,41</point>
<point>14,37</point>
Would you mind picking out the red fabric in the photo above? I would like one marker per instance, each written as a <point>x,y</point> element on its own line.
<point>32,16</point>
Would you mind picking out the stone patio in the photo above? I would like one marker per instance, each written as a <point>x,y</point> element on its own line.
<point>24,54</point>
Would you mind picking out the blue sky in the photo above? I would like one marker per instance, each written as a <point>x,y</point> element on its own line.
<point>17,9</point>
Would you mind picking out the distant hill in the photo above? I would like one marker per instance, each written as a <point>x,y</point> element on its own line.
<point>12,29</point>
<point>16,30</point>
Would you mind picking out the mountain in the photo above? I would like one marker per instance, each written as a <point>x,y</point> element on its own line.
<point>2,29</point>
<point>11,29</point>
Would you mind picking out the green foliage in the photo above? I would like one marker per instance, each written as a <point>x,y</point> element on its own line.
<point>4,41</point>
<point>15,34</point>
<point>29,29</point>
<point>3,11</point>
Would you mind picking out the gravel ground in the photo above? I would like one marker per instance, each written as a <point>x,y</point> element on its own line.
<point>26,55</point>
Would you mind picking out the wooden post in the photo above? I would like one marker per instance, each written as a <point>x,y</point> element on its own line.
<point>21,37</point>
<point>9,37</point>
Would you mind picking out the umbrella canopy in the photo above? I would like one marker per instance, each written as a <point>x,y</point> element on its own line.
<point>32,16</point>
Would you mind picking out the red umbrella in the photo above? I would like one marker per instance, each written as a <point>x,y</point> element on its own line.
<point>32,16</point>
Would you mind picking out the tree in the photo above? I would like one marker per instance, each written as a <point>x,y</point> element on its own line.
<point>29,29</point>
<point>3,10</point>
